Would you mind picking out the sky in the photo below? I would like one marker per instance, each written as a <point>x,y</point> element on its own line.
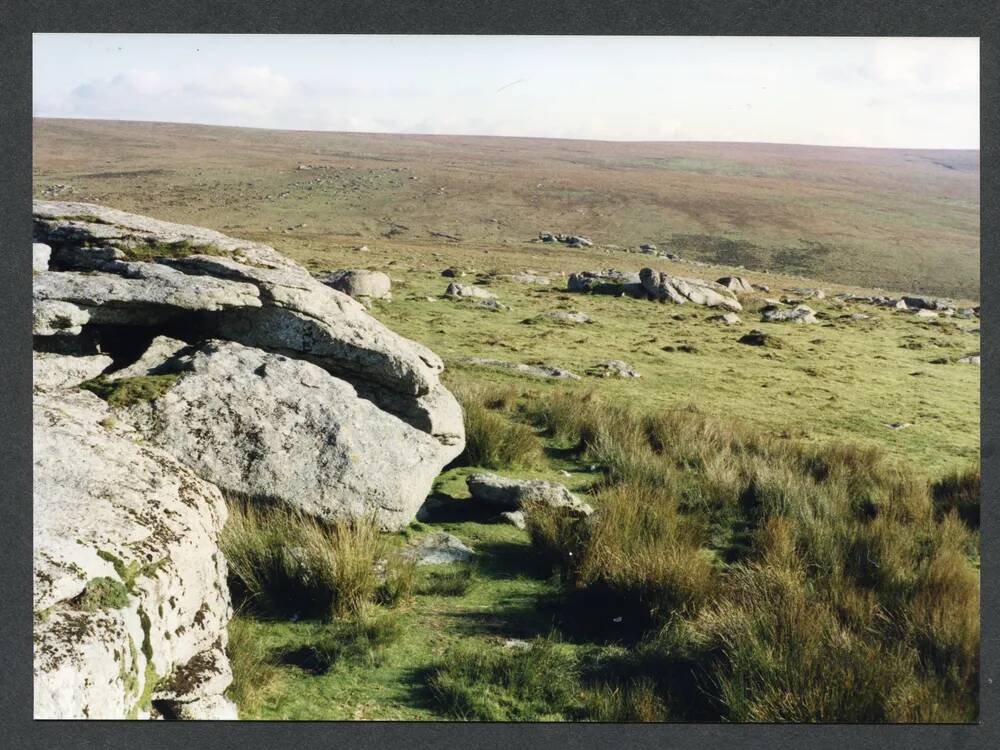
<point>839,91</point>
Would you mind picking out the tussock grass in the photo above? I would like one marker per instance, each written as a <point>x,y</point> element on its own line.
<point>634,701</point>
<point>492,439</point>
<point>283,562</point>
<point>959,492</point>
<point>797,582</point>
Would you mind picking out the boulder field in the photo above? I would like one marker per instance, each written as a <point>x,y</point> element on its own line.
<point>209,365</point>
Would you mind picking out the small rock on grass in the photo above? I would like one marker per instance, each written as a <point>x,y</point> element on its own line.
<point>614,368</point>
<point>439,549</point>
<point>730,319</point>
<point>515,518</point>
<point>509,495</point>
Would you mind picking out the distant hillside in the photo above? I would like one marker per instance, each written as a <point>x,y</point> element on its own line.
<point>905,220</point>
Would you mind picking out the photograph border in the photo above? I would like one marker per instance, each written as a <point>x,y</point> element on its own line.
<point>532,17</point>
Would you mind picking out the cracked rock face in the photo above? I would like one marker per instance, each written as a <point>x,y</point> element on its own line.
<point>129,589</point>
<point>352,407</point>
<point>268,425</point>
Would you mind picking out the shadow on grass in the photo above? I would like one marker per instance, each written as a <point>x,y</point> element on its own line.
<point>305,658</point>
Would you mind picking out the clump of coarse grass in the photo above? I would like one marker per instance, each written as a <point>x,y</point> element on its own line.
<point>638,550</point>
<point>773,651</point>
<point>452,581</point>
<point>493,682</point>
<point>256,672</point>
<point>959,492</point>
<point>562,414</point>
<point>284,562</point>
<point>636,700</point>
<point>496,441</point>
<point>810,582</point>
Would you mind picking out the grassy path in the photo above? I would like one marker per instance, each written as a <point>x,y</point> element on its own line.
<point>506,599</point>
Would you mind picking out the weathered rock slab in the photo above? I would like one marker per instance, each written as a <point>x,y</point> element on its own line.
<point>537,371</point>
<point>128,584</point>
<point>53,371</point>
<point>614,368</point>
<point>512,495</point>
<point>801,314</point>
<point>265,425</point>
<point>439,548</point>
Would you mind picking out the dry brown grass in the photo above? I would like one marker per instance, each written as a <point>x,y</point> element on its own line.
<point>282,561</point>
<point>796,582</point>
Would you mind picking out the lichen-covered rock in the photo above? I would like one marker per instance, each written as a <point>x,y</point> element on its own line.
<point>614,368</point>
<point>729,319</point>
<point>156,360</point>
<point>512,495</point>
<point>736,284</point>
<point>529,278</point>
<point>662,286</point>
<point>216,286</point>
<point>263,424</point>
<point>129,588</point>
<point>361,284</point>
<point>566,317</point>
<point>439,548</point>
<point>611,282</point>
<point>809,292</point>
<point>927,303</point>
<point>801,314</point>
<point>49,370</point>
<point>468,291</point>
<point>121,281</point>
<point>537,371</point>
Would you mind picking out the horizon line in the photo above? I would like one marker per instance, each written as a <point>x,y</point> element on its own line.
<point>34,117</point>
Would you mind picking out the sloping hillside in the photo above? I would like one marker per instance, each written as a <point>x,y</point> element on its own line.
<point>904,220</point>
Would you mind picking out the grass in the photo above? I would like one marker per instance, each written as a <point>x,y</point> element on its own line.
<point>149,249</point>
<point>809,584</point>
<point>129,391</point>
<point>361,639</point>
<point>839,379</point>
<point>958,491</point>
<point>491,439</point>
<point>741,577</point>
<point>452,581</point>
<point>103,593</point>
<point>493,682</point>
<point>282,562</point>
<point>256,670</point>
